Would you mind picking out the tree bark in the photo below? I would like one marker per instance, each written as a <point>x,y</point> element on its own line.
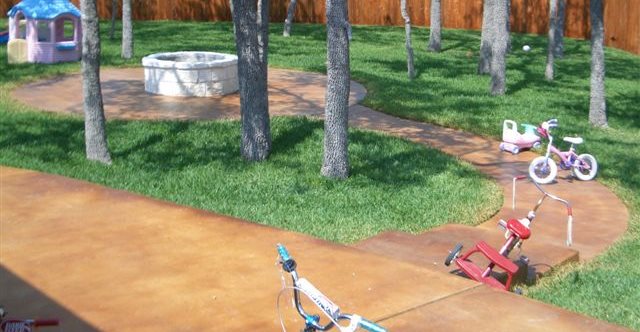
<point>553,23</point>
<point>291,10</point>
<point>597,105</point>
<point>250,18</point>
<point>558,50</point>
<point>95,136</point>
<point>499,47</point>
<point>436,27</point>
<point>114,14</point>
<point>231,10</point>
<point>484,62</point>
<point>508,27</point>
<point>127,30</point>
<point>411,72</point>
<point>336,156</point>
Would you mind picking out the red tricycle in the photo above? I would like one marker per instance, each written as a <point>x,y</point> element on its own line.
<point>516,231</point>
<point>23,325</point>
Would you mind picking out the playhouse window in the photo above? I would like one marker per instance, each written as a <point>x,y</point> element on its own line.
<point>21,25</point>
<point>44,34</point>
<point>68,28</point>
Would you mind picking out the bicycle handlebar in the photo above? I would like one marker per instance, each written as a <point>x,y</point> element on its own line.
<point>283,252</point>
<point>566,203</point>
<point>46,322</point>
<point>371,326</point>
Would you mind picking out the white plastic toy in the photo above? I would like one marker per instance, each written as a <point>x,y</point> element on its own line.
<point>513,141</point>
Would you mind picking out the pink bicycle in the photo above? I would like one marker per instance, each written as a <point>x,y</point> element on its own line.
<point>543,169</point>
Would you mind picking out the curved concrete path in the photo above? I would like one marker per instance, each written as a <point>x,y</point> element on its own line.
<point>103,259</point>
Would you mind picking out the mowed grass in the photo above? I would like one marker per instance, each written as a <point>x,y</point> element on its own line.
<point>394,184</point>
<point>447,92</point>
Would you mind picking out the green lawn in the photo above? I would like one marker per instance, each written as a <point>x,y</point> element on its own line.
<point>447,92</point>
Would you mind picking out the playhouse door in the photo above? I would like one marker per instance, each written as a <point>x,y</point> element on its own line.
<point>17,51</point>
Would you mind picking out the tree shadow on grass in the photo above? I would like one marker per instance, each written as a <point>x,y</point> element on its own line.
<point>162,147</point>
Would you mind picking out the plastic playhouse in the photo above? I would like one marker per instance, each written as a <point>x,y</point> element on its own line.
<point>513,141</point>
<point>44,31</point>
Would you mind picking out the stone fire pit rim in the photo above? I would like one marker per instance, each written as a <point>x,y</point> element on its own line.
<point>157,60</point>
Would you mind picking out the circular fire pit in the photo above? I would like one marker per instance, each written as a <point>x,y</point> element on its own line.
<point>200,74</point>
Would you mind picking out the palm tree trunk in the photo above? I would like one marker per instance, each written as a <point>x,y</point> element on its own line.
<point>127,30</point>
<point>250,19</point>
<point>411,72</point>
<point>436,27</point>
<point>597,105</point>
<point>336,157</point>
<point>553,19</point>
<point>558,50</point>
<point>94,121</point>
<point>499,47</point>
<point>114,14</point>
<point>291,10</point>
<point>484,62</point>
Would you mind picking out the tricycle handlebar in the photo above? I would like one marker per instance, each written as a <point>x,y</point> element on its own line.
<point>546,194</point>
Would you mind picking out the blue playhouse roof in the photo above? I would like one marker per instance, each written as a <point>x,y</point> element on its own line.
<point>44,9</point>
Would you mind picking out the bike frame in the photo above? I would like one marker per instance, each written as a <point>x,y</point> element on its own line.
<point>567,158</point>
<point>328,307</point>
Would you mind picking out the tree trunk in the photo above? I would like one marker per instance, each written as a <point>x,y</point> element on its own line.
<point>499,47</point>
<point>114,14</point>
<point>484,62</point>
<point>94,122</point>
<point>231,10</point>
<point>291,10</point>
<point>263,32</point>
<point>250,18</point>
<point>508,27</point>
<point>411,72</point>
<point>436,27</point>
<point>558,50</point>
<point>127,30</point>
<point>553,23</point>
<point>336,156</point>
<point>597,105</point>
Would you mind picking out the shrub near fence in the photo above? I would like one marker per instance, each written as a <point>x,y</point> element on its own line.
<point>622,17</point>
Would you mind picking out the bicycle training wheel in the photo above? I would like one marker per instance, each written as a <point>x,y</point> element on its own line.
<point>543,170</point>
<point>585,168</point>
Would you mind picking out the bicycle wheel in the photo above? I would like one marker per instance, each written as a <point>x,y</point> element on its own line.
<point>585,168</point>
<point>543,170</point>
<point>453,254</point>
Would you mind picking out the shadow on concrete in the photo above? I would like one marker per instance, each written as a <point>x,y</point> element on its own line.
<point>22,300</point>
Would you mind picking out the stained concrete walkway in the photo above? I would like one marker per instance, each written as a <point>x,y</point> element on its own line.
<point>102,259</point>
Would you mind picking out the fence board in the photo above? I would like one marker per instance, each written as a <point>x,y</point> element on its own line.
<point>621,17</point>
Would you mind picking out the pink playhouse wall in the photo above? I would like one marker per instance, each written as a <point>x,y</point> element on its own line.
<point>54,49</point>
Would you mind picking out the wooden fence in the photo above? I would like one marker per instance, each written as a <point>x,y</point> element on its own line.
<point>622,17</point>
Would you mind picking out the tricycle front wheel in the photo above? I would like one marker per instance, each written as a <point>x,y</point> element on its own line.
<point>453,254</point>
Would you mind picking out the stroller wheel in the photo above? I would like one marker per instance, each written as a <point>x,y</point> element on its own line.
<point>453,254</point>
